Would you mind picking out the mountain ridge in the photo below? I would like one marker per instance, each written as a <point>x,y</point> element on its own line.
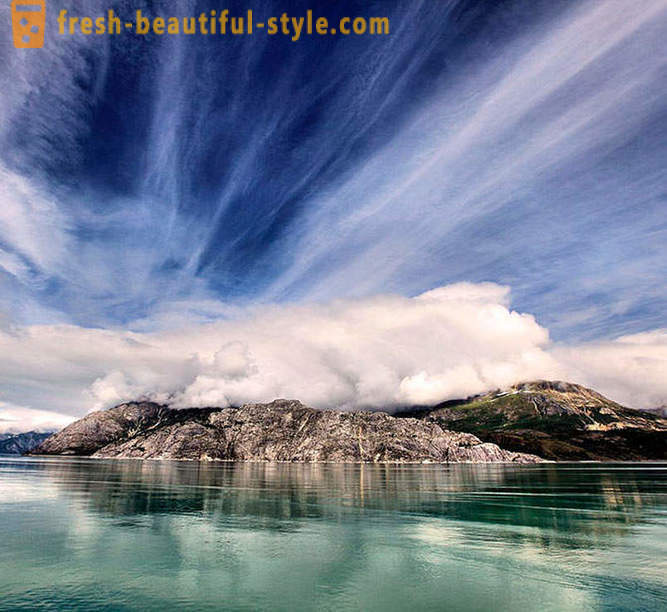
<point>554,420</point>
<point>20,443</point>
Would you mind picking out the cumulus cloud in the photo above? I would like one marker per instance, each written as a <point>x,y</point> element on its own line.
<point>630,369</point>
<point>379,352</point>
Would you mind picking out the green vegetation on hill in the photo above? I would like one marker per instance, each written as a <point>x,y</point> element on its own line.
<point>556,420</point>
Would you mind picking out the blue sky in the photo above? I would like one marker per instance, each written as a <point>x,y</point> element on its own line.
<point>149,183</point>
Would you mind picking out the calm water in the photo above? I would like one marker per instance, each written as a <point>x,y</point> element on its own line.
<point>130,535</point>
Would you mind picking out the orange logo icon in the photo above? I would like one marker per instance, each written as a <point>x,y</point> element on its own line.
<point>28,18</point>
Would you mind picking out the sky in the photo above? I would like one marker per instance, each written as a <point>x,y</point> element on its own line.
<point>366,221</point>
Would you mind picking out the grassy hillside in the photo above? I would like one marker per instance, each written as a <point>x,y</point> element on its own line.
<point>556,420</point>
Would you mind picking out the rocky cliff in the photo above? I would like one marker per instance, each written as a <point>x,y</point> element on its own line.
<point>556,420</point>
<point>280,431</point>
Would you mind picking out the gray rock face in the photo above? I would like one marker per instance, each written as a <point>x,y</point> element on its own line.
<point>98,429</point>
<point>280,431</point>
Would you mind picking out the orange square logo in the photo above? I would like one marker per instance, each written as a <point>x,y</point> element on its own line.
<point>28,19</point>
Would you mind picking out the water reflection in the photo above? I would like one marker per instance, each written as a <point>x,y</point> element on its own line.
<point>573,535</point>
<point>589,498</point>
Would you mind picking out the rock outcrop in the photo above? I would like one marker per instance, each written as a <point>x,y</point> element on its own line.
<point>279,431</point>
<point>555,420</point>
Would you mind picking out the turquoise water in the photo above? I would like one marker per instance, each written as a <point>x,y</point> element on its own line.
<point>131,535</point>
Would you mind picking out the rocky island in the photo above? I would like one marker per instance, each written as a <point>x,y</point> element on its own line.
<point>526,423</point>
<point>282,430</point>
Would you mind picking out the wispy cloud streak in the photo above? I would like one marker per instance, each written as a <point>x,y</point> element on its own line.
<point>537,148</point>
<point>518,143</point>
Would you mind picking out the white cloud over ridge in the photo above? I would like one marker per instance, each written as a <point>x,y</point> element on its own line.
<point>19,419</point>
<point>378,352</point>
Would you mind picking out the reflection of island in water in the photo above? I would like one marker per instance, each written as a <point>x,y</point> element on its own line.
<point>589,499</point>
<point>150,535</point>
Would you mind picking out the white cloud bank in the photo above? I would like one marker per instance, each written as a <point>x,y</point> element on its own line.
<point>18,419</point>
<point>382,351</point>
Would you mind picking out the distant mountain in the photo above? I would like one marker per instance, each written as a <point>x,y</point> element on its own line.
<point>17,444</point>
<point>659,411</point>
<point>555,420</point>
<point>280,431</point>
